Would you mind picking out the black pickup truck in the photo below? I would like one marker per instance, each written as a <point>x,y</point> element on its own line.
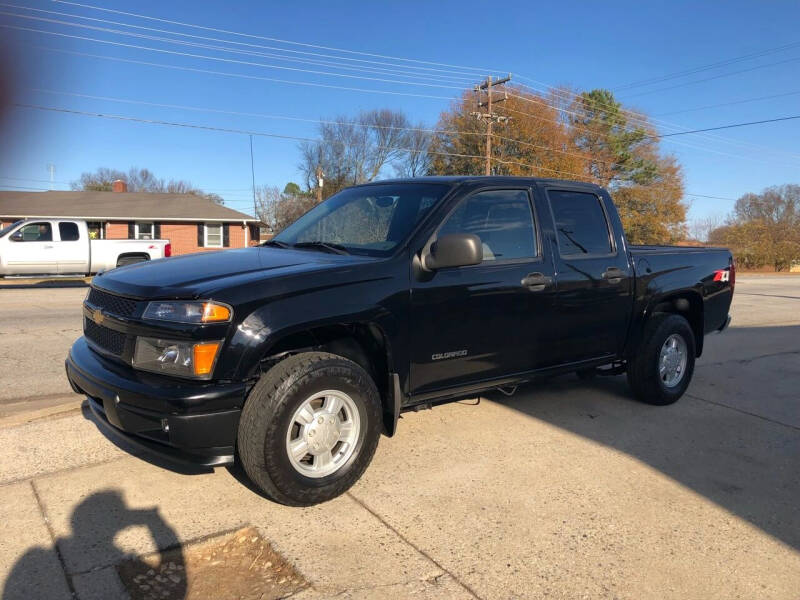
<point>293,357</point>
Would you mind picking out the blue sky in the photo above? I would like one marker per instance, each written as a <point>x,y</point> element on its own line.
<point>581,44</point>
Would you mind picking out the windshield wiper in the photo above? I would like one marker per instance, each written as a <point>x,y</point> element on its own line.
<point>276,244</point>
<point>325,246</point>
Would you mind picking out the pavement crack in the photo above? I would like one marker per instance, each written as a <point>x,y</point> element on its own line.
<point>403,538</point>
<point>744,412</point>
<point>744,361</point>
<point>53,538</point>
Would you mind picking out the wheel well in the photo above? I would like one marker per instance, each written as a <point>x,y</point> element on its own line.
<point>142,255</point>
<point>690,306</point>
<point>363,343</point>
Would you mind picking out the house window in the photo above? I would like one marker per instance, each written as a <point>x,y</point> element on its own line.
<point>144,230</point>
<point>96,230</point>
<point>213,235</point>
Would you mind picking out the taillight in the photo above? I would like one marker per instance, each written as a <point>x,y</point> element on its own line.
<point>168,250</point>
<point>732,276</point>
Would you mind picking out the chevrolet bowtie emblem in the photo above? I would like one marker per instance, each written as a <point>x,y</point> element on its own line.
<point>98,316</point>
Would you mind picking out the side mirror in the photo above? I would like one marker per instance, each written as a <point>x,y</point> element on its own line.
<point>454,250</point>
<point>16,236</point>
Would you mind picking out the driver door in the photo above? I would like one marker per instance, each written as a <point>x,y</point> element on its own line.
<point>484,321</point>
<point>31,249</point>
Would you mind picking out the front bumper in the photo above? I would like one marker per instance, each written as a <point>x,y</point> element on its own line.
<point>183,421</point>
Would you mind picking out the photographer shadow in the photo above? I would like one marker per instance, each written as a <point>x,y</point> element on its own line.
<point>95,523</point>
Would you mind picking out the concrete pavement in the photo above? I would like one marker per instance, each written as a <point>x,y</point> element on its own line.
<point>565,490</point>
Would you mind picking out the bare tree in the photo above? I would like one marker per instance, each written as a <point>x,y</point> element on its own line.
<point>353,150</point>
<point>138,180</point>
<point>700,229</point>
<point>418,161</point>
<point>278,209</point>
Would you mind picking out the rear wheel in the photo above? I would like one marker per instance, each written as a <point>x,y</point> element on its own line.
<point>309,428</point>
<point>662,367</point>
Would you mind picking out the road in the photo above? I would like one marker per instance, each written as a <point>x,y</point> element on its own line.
<point>565,490</point>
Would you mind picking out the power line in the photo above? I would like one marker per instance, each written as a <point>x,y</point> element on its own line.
<point>652,122</point>
<point>745,101</point>
<point>245,132</point>
<point>729,126</point>
<point>272,39</point>
<point>677,85</point>
<point>241,75</point>
<point>228,60</point>
<point>715,65</point>
<point>703,148</point>
<point>337,65</point>
<point>272,135</point>
<point>252,114</point>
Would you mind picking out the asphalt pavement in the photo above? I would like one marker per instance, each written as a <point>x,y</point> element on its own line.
<point>565,490</point>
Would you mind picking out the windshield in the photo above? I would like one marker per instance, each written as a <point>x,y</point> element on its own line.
<point>8,228</point>
<point>370,220</point>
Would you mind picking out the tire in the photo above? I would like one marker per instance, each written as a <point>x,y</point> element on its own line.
<point>647,381</point>
<point>586,374</point>
<point>129,260</point>
<point>270,418</point>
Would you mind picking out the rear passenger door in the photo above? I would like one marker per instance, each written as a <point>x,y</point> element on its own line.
<point>72,252</point>
<point>484,321</point>
<point>593,275</point>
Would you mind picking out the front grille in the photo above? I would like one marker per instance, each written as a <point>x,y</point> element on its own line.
<point>115,305</point>
<point>108,339</point>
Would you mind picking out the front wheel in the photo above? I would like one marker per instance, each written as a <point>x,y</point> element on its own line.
<point>309,428</point>
<point>661,368</point>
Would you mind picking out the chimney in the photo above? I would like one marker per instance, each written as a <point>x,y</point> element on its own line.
<point>119,186</point>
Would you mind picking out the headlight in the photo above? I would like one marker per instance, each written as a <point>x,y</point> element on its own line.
<point>179,358</point>
<point>188,312</point>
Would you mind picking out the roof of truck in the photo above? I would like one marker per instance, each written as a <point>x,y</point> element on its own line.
<point>488,179</point>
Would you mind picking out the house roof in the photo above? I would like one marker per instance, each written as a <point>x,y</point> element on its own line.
<point>124,206</point>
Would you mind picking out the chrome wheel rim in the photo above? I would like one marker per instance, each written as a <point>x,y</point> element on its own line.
<point>672,360</point>
<point>322,434</point>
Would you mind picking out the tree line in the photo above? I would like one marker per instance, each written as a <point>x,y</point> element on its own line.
<point>764,229</point>
<point>590,137</point>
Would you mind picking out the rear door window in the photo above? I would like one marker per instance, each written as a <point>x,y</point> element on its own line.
<point>68,232</point>
<point>581,223</point>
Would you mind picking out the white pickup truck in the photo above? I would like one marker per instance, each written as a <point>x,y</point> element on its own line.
<point>63,246</point>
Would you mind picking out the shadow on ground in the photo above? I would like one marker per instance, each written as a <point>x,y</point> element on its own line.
<point>743,462</point>
<point>95,522</point>
<point>24,284</point>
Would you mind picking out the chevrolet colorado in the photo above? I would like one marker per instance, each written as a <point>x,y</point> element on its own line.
<point>293,357</point>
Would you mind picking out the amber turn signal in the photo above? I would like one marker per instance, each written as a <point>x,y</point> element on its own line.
<point>203,356</point>
<point>213,312</point>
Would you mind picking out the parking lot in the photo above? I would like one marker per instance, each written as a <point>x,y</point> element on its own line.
<point>565,490</point>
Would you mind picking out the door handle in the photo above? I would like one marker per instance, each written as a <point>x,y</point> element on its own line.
<point>536,282</point>
<point>613,275</point>
<point>48,247</point>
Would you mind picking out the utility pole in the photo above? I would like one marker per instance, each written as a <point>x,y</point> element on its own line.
<point>489,116</point>
<point>52,168</point>
<point>320,183</point>
<point>253,177</point>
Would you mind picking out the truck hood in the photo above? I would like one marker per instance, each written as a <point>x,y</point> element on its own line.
<point>203,274</point>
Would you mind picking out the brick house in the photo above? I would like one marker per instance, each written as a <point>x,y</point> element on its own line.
<point>190,223</point>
